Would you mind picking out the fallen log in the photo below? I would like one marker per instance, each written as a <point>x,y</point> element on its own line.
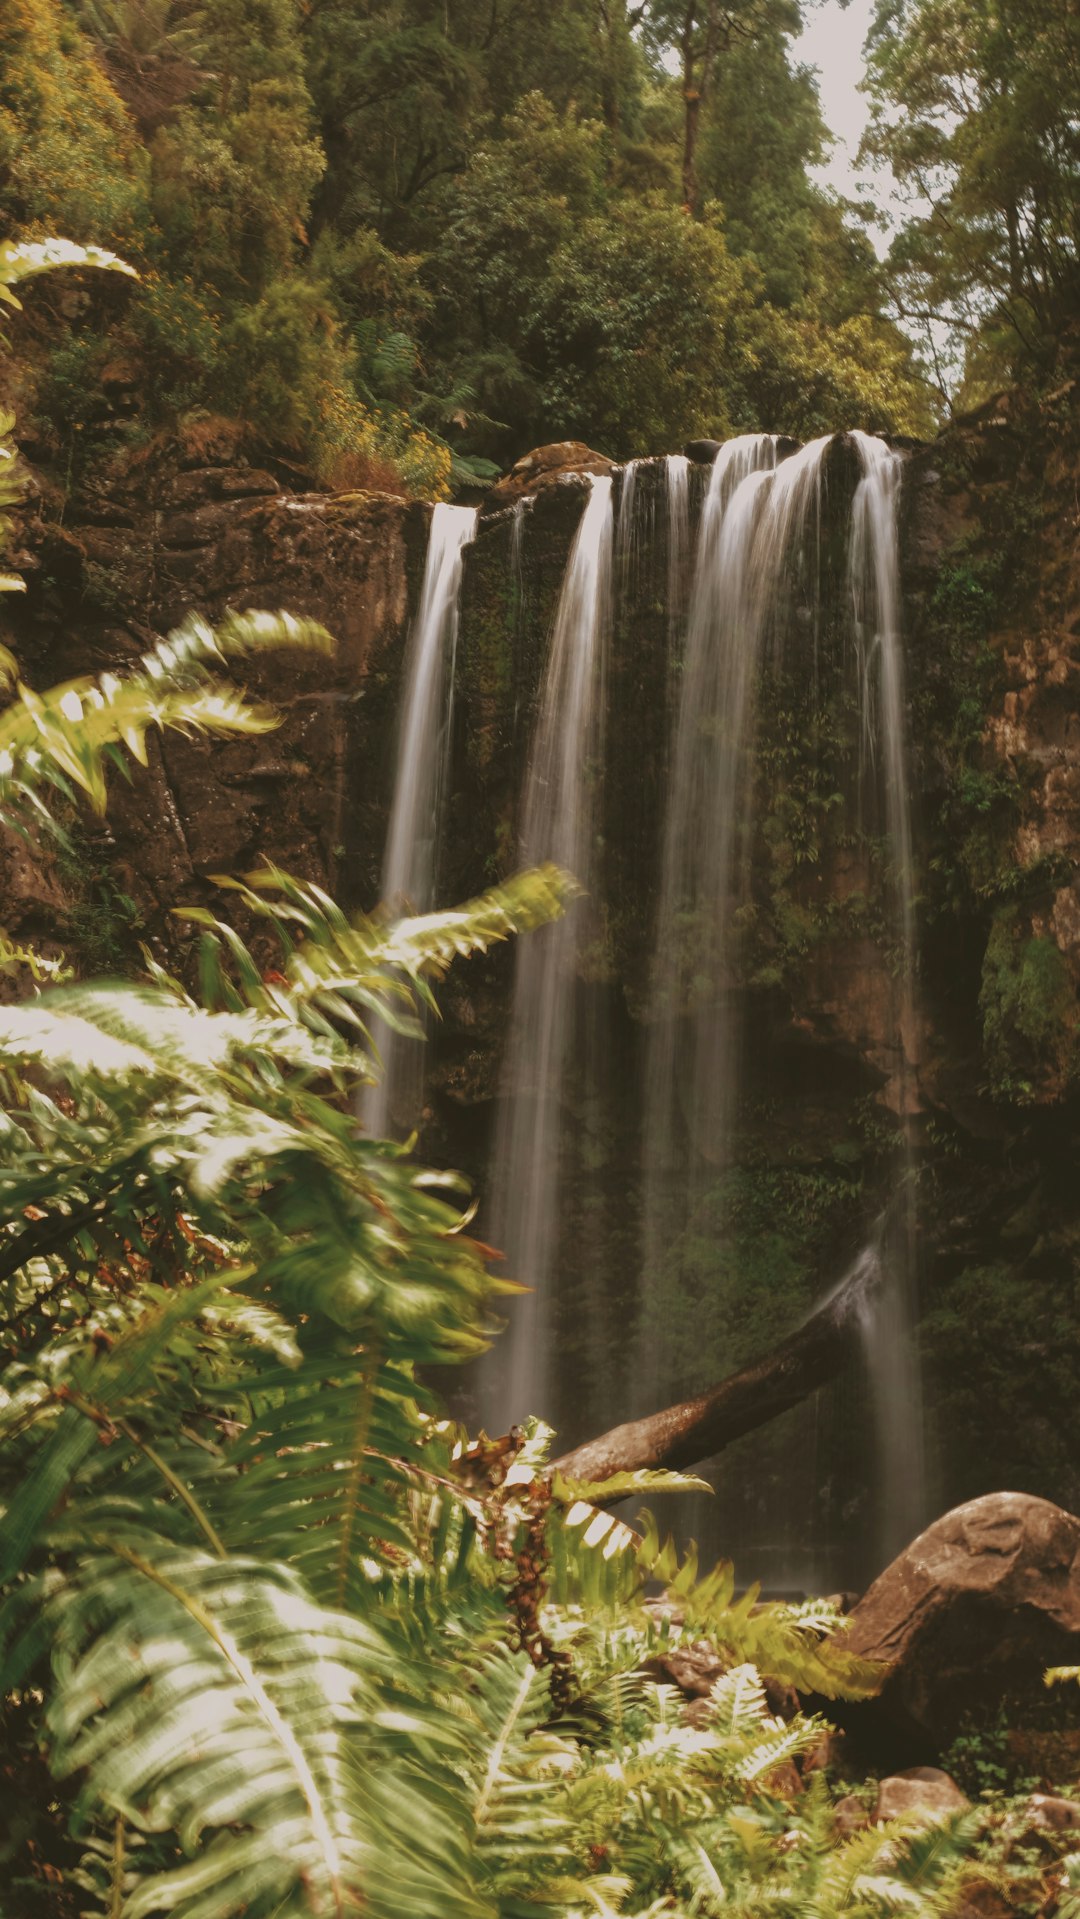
<point>698,1428</point>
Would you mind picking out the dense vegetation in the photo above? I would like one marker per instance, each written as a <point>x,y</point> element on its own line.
<point>275,1638</point>
<point>977,108</point>
<point>393,237</point>
<point>406,240</point>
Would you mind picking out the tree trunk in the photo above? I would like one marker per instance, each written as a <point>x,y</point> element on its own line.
<point>697,1428</point>
<point>692,107</point>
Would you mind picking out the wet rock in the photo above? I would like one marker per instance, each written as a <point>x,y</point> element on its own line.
<point>850,1815</point>
<point>694,1668</point>
<point>921,1789</point>
<point>697,1713</point>
<point>543,468</point>
<point>976,1607</point>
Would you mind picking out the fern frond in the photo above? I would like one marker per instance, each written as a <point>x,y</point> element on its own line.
<point>737,1703</point>
<point>524,1834</point>
<point>63,740</point>
<point>214,1699</point>
<point>40,966</point>
<point>600,1492</point>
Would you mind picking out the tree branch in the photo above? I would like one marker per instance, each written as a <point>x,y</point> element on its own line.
<point>682,1435</point>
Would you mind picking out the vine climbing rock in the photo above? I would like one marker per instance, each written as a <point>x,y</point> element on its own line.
<point>973,1612</point>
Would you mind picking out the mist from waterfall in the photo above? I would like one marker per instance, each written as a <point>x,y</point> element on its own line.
<point>410,860</point>
<point>558,823</point>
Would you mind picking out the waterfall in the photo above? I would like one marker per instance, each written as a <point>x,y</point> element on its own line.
<point>409,863</point>
<point>557,824</point>
<point>624,526</point>
<point>753,519</point>
<point>890,1330</point>
<point>677,476</point>
<point>705,763</point>
<point>633,1164</point>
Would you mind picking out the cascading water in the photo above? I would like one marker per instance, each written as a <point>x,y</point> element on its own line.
<point>754,768</point>
<point>409,864</point>
<point>754,515</point>
<point>557,824</point>
<point>889,1328</point>
<point>677,476</point>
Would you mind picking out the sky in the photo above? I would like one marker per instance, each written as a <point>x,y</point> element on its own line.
<point>832,41</point>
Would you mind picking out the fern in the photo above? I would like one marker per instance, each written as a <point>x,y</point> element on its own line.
<point>300,1648</point>
<point>62,742</point>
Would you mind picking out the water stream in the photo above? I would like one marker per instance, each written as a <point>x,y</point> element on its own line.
<point>558,814</point>
<point>890,1328</point>
<point>755,514</point>
<point>411,857</point>
<point>792,546</point>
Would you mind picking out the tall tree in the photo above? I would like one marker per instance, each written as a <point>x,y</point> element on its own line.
<point>703,33</point>
<point>976,106</point>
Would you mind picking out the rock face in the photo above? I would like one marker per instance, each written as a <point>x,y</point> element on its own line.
<point>977,1606</point>
<point>196,526</point>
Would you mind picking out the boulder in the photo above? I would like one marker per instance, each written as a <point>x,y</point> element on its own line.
<point>703,450</point>
<point>694,1667</point>
<point>850,1815</point>
<point>976,1608</point>
<point>545,466</point>
<point>1048,1812</point>
<point>923,1790</point>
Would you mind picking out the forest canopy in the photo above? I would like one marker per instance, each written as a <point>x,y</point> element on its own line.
<point>406,242</point>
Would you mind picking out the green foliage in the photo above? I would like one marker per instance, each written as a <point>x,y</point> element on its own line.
<point>1020,1423</point>
<point>403,245</point>
<point>64,740</point>
<point>284,1641</point>
<point>976,111</point>
<point>978,1759</point>
<point>70,159</point>
<point>1028,1007</point>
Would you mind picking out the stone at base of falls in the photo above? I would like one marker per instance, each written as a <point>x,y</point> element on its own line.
<point>973,1612</point>
<point>850,1815</point>
<point>544,467</point>
<point>923,1790</point>
<point>1046,1812</point>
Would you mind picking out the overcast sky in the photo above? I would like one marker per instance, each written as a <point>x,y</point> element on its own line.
<point>832,41</point>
